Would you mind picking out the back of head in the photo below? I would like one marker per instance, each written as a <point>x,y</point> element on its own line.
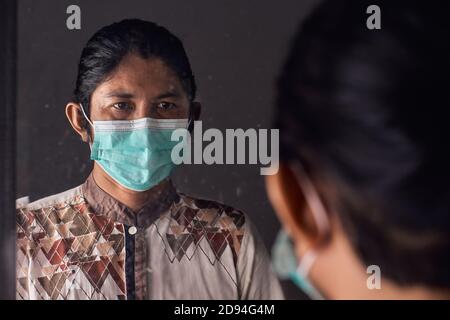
<point>366,110</point>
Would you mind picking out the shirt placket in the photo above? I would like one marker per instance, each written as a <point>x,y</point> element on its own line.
<point>130,249</point>
<point>140,264</point>
<point>135,262</point>
<point>137,271</point>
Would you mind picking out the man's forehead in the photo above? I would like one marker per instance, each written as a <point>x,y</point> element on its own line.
<point>151,81</point>
<point>133,65</point>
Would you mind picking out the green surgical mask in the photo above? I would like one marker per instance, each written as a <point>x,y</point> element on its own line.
<point>285,262</point>
<point>287,266</point>
<point>135,153</point>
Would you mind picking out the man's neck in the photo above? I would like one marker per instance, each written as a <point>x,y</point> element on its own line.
<point>134,200</point>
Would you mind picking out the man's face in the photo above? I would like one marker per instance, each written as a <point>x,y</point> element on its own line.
<point>140,88</point>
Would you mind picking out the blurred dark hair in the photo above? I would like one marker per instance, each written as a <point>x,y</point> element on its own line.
<point>365,110</point>
<point>107,47</point>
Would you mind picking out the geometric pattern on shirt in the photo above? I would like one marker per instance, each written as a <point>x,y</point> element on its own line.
<point>76,252</point>
<point>192,220</point>
<point>67,251</point>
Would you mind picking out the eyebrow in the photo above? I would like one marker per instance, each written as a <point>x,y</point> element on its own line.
<point>168,94</point>
<point>120,94</point>
<point>127,95</point>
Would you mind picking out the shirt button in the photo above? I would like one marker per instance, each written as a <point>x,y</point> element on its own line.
<point>132,230</point>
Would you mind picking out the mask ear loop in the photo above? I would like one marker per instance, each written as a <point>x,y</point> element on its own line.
<point>84,114</point>
<point>191,118</point>
<point>303,268</point>
<point>306,263</point>
<point>320,217</point>
<point>312,199</point>
<point>86,117</point>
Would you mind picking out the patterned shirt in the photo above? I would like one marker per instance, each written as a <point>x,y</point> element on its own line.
<point>84,244</point>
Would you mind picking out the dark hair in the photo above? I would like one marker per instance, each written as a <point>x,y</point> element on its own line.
<point>108,46</point>
<point>365,110</point>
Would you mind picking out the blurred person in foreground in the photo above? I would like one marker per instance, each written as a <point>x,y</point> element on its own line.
<point>364,153</point>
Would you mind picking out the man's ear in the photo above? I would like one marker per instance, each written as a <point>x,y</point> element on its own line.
<point>77,120</point>
<point>289,201</point>
<point>194,114</point>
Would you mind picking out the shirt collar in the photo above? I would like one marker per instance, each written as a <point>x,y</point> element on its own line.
<point>103,203</point>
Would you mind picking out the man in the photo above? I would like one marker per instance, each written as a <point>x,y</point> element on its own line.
<point>126,233</point>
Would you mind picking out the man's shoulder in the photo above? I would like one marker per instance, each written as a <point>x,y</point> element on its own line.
<point>55,200</point>
<point>47,208</point>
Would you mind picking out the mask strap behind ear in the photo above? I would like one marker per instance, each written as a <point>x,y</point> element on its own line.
<point>313,200</point>
<point>84,113</point>
<point>190,117</point>
<point>306,263</point>
<point>189,123</point>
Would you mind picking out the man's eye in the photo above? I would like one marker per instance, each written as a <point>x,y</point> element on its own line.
<point>122,106</point>
<point>166,105</point>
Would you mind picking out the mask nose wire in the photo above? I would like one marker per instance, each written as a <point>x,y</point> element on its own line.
<point>86,117</point>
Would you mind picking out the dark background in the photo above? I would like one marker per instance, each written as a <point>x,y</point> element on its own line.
<point>235,47</point>
<point>8,36</point>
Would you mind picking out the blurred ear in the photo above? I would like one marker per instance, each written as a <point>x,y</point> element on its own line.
<point>291,203</point>
<point>77,120</point>
<point>194,113</point>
